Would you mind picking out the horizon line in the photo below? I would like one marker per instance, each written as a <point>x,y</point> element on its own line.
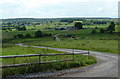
<point>57,17</point>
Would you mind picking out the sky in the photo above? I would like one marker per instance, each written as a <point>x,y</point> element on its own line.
<point>58,8</point>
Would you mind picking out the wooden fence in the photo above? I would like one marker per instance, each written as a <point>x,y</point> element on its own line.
<point>39,58</point>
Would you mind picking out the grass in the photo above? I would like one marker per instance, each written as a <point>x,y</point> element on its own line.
<point>18,50</point>
<point>61,24</point>
<point>79,61</point>
<point>110,46</point>
<point>84,41</point>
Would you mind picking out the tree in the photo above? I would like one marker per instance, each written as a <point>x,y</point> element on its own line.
<point>19,36</point>
<point>93,31</point>
<point>38,34</point>
<point>78,25</point>
<point>8,28</point>
<point>3,28</point>
<point>102,31</point>
<point>27,36</point>
<point>23,28</point>
<point>111,27</point>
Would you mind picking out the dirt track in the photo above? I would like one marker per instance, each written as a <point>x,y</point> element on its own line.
<point>107,66</point>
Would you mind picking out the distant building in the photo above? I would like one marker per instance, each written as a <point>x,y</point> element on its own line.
<point>70,28</point>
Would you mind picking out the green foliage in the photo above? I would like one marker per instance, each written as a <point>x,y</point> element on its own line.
<point>28,36</point>
<point>111,27</point>
<point>3,28</point>
<point>93,31</point>
<point>38,34</point>
<point>23,28</point>
<point>19,36</point>
<point>102,30</point>
<point>78,25</point>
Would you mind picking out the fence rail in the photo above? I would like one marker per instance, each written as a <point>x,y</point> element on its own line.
<point>39,56</point>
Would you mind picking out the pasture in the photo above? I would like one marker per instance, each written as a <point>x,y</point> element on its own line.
<point>79,61</point>
<point>84,40</point>
<point>81,39</point>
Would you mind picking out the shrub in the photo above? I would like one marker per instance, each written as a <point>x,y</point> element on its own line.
<point>93,31</point>
<point>96,27</point>
<point>111,27</point>
<point>78,25</point>
<point>15,36</point>
<point>19,36</point>
<point>102,31</point>
<point>27,36</point>
<point>46,35</point>
<point>38,34</point>
<point>23,28</point>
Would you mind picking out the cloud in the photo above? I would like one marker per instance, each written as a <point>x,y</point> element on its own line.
<point>55,8</point>
<point>100,9</point>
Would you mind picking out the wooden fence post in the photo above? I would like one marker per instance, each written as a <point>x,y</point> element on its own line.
<point>39,59</point>
<point>88,54</point>
<point>47,48</point>
<point>73,54</point>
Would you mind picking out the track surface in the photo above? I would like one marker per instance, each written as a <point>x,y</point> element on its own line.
<point>107,65</point>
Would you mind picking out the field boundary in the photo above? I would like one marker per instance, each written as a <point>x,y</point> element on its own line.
<point>39,58</point>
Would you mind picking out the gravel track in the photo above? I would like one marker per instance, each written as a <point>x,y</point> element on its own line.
<point>107,66</point>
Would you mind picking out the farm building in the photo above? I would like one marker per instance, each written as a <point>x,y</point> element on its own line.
<point>66,28</point>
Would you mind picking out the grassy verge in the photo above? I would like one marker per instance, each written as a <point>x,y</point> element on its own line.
<point>79,61</point>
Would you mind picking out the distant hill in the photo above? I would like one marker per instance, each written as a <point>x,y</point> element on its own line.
<point>29,20</point>
<point>49,19</point>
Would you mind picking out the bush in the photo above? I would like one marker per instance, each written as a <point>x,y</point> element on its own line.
<point>96,27</point>
<point>19,36</point>
<point>38,34</point>
<point>27,36</point>
<point>102,31</point>
<point>93,31</point>
<point>111,27</point>
<point>15,36</point>
<point>23,28</point>
<point>78,25</point>
<point>47,35</point>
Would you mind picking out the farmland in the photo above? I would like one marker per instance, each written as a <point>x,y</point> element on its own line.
<point>83,39</point>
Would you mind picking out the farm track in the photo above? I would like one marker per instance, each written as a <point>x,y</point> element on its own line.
<point>107,66</point>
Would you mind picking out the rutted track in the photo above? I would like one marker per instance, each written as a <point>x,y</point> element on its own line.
<point>107,66</point>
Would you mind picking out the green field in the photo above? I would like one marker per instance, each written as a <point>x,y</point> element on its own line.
<point>79,61</point>
<point>9,48</point>
<point>83,40</point>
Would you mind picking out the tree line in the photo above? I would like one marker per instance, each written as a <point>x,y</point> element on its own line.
<point>37,34</point>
